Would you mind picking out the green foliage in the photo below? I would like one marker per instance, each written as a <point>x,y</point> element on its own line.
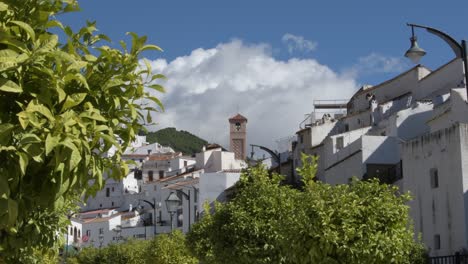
<point>63,105</point>
<point>169,249</point>
<point>363,222</point>
<point>165,249</point>
<point>182,141</point>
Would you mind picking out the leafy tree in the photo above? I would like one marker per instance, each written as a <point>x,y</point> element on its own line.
<point>169,249</point>
<point>62,107</point>
<point>164,249</point>
<point>363,222</point>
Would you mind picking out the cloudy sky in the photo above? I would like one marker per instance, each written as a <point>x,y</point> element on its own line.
<point>270,60</point>
<point>207,86</point>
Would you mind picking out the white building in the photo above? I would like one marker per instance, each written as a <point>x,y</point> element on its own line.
<point>409,131</point>
<point>135,206</point>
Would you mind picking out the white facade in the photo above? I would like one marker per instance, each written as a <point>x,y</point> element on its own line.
<point>410,131</point>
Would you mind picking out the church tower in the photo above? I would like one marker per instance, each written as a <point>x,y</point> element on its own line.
<point>238,136</point>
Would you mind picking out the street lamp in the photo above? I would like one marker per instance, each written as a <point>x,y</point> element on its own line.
<point>101,240</point>
<point>415,52</point>
<point>153,205</point>
<point>274,155</point>
<point>172,203</point>
<point>187,196</point>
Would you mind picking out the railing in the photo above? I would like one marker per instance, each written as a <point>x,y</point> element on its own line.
<point>453,259</point>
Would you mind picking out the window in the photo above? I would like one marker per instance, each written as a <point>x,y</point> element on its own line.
<point>301,138</point>
<point>138,174</point>
<point>339,143</point>
<point>100,205</point>
<point>195,197</point>
<point>185,163</point>
<point>107,192</point>
<point>434,178</point>
<point>112,189</point>
<point>359,121</point>
<point>195,209</point>
<point>150,175</point>
<point>101,230</point>
<point>112,204</point>
<point>161,174</point>
<point>88,233</point>
<point>346,127</point>
<point>437,241</point>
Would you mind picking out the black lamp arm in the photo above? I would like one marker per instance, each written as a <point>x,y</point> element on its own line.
<point>456,47</point>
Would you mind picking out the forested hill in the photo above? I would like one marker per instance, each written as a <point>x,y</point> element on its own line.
<point>182,141</point>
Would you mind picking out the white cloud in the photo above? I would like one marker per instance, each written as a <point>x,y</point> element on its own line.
<point>298,43</point>
<point>375,63</point>
<point>208,86</point>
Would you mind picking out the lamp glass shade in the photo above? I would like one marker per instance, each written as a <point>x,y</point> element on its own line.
<point>415,53</point>
<point>172,202</point>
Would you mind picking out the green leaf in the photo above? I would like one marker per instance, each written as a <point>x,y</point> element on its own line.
<point>9,86</point>
<point>26,27</point>
<point>5,133</point>
<point>3,7</point>
<point>148,117</point>
<point>54,23</point>
<point>157,101</point>
<point>4,188</point>
<point>73,100</point>
<point>12,211</point>
<point>150,47</point>
<point>35,106</point>
<point>157,87</point>
<point>50,143</point>
<point>8,55</point>
<point>48,42</point>
<point>23,162</point>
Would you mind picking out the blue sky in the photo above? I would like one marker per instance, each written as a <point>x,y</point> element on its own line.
<point>357,41</point>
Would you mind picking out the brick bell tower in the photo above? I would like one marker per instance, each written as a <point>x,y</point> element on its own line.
<point>238,136</point>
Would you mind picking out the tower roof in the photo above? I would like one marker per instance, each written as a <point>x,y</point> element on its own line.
<point>237,117</point>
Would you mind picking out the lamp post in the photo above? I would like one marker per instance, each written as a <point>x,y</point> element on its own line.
<point>172,203</point>
<point>101,240</point>
<point>415,52</point>
<point>276,156</point>
<point>187,196</point>
<point>153,205</point>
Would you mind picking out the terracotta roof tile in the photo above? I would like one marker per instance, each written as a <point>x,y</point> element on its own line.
<point>238,117</point>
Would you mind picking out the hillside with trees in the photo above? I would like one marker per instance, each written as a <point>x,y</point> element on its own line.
<point>182,141</point>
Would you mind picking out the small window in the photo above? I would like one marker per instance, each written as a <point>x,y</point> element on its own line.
<point>434,178</point>
<point>107,192</point>
<point>437,241</point>
<point>100,205</point>
<point>359,121</point>
<point>112,189</point>
<point>101,230</point>
<point>301,138</point>
<point>185,163</point>
<point>88,233</point>
<point>339,143</point>
<point>112,204</point>
<point>161,174</point>
<point>346,127</point>
<point>150,175</point>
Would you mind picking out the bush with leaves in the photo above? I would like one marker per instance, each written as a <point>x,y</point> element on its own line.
<point>266,222</point>
<point>164,249</point>
<point>63,105</point>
